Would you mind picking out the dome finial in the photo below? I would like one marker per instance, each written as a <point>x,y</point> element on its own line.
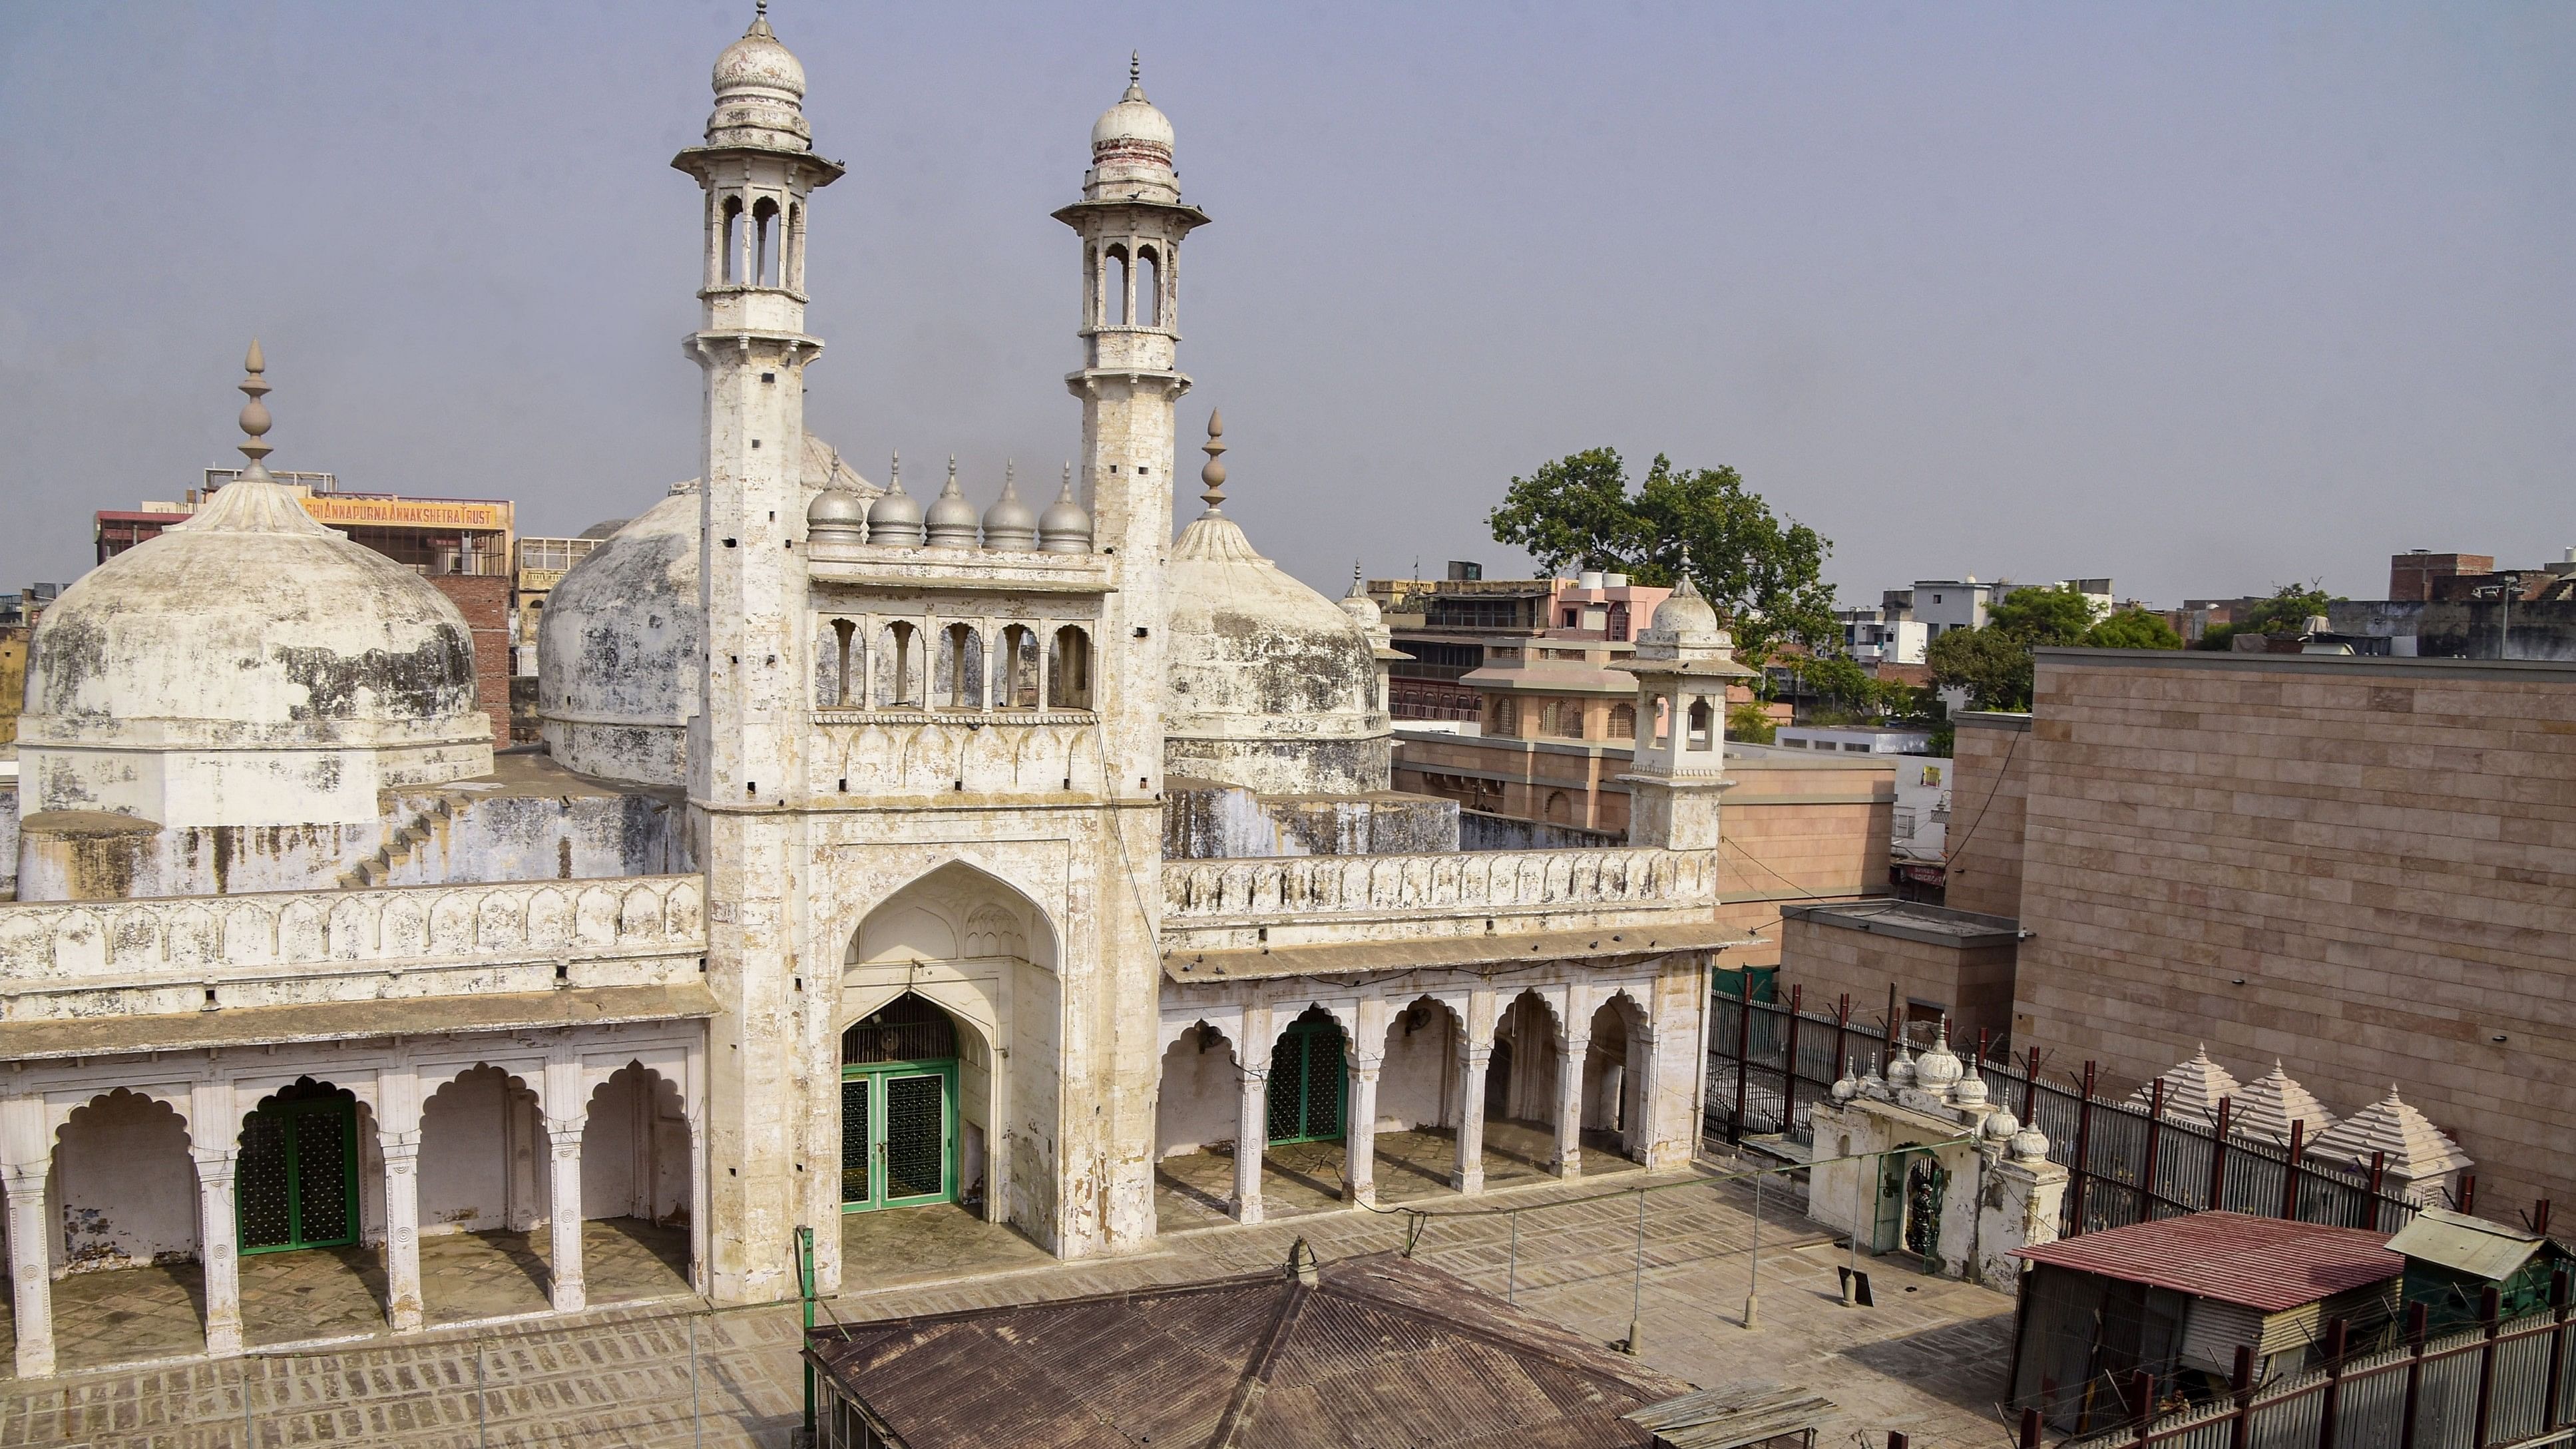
<point>255,420</point>
<point>1135,76</point>
<point>894,471</point>
<point>1213,473</point>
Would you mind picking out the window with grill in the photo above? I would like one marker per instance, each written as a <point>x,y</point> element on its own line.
<point>907,1029</point>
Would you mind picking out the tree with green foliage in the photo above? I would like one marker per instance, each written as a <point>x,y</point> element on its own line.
<point>1760,571</point>
<point>1992,665</point>
<point>2038,616</point>
<point>1746,723</point>
<point>2217,638</point>
<point>2286,614</point>
<point>2133,629</point>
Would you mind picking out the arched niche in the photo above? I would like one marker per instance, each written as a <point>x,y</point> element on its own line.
<point>965,941</point>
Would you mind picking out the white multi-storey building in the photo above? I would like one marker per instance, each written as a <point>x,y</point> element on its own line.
<point>879,852</point>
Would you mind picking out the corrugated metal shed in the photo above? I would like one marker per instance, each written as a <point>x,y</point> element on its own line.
<point>1735,1417</point>
<point>2265,1263</point>
<point>2465,1244</point>
<point>1375,1350</point>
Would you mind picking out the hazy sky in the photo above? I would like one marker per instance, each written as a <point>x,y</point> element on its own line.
<point>2201,297</point>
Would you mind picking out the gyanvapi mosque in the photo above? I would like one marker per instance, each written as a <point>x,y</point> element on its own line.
<point>885,848</point>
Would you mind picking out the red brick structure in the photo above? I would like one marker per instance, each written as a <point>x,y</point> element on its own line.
<point>2411,576</point>
<point>484,600</point>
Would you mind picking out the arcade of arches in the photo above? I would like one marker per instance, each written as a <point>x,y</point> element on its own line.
<point>295,1194</point>
<point>1361,1072</point>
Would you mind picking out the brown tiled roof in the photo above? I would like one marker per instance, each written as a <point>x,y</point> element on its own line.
<point>1377,1350</point>
<point>2263,1263</point>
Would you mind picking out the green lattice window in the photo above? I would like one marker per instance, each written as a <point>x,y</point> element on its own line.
<point>297,1183</point>
<point>1307,1082</point>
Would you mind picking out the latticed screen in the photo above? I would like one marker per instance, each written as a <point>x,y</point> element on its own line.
<point>916,1136</point>
<point>267,1190</point>
<point>907,1029</point>
<point>321,1176</point>
<point>854,1141</point>
<point>297,1178</point>
<point>1306,1083</point>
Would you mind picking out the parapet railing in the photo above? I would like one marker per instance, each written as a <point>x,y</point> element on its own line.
<point>1217,892</point>
<point>54,946</point>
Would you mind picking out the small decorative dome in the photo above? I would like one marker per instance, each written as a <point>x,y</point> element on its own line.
<point>1133,123</point>
<point>1131,149</point>
<point>1940,1068</point>
<point>837,515</point>
<point>2030,1145</point>
<point>2193,1088</point>
<point>1065,527</point>
<point>895,518</point>
<point>1970,1094</point>
<point>951,521</point>
<point>1357,603</point>
<point>1846,1086</point>
<point>1900,1071</point>
<point>1009,523</point>
<point>1685,616</point>
<point>1998,1126</point>
<point>760,87</point>
<point>2268,1106</point>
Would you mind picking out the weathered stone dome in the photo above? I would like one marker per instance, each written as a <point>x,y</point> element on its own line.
<point>278,673</point>
<point>620,648</point>
<point>1272,687</point>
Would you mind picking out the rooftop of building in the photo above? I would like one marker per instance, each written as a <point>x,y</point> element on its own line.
<point>2267,1264</point>
<point>2417,668</point>
<point>1377,1349</point>
<point>1911,921</point>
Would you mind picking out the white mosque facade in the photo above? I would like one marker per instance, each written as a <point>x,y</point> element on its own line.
<point>883,849</point>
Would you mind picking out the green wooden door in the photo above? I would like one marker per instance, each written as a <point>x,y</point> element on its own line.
<point>898,1135</point>
<point>297,1182</point>
<point>1307,1083</point>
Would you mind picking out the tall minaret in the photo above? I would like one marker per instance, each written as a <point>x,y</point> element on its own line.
<point>1131,220</point>
<point>759,170</point>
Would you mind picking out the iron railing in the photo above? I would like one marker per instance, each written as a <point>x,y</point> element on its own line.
<point>2127,1162</point>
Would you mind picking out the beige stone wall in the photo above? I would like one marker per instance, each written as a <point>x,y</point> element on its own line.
<point>1973,985</point>
<point>1992,755</point>
<point>1797,830</point>
<point>2364,867</point>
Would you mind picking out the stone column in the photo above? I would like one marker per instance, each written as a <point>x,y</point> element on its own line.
<point>1572,1052</point>
<point>1251,1135</point>
<point>403,1308</point>
<point>1359,1133</point>
<point>1470,1175</point>
<point>31,1266</point>
<point>2020,1211</point>
<point>563,1209</point>
<point>219,1247</point>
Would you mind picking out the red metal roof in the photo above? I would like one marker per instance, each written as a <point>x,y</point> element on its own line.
<point>2263,1263</point>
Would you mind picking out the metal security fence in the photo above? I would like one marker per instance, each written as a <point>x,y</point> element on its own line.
<point>1770,1061</point>
<point>2503,1382</point>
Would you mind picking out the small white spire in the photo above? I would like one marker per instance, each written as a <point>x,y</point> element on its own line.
<point>1135,76</point>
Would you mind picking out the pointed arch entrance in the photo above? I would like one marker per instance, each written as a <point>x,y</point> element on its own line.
<point>297,1182</point>
<point>899,1134</point>
<point>1309,1081</point>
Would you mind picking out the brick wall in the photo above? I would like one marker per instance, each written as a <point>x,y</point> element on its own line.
<point>2363,867</point>
<point>1990,774</point>
<point>485,603</point>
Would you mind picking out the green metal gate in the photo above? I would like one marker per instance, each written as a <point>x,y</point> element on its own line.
<point>297,1183</point>
<point>1307,1082</point>
<point>899,1109</point>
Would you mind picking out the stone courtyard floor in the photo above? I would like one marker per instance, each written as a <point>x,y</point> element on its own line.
<point>1929,1359</point>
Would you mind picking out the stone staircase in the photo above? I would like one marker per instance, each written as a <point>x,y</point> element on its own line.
<point>379,869</point>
